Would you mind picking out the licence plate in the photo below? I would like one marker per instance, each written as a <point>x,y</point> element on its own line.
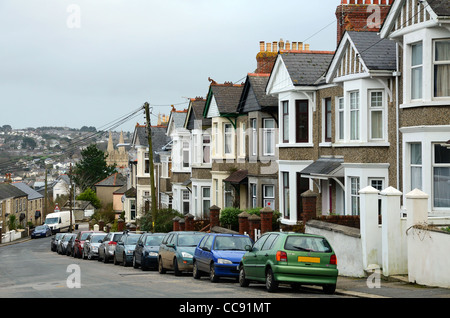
<point>309,259</point>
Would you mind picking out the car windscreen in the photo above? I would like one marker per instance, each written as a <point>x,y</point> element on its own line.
<point>232,243</point>
<point>154,240</point>
<point>40,228</point>
<point>67,237</point>
<point>189,239</point>
<point>117,237</point>
<point>307,243</point>
<point>51,220</point>
<point>97,238</point>
<point>132,239</point>
<point>84,236</point>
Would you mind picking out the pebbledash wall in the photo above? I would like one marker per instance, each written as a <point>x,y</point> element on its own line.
<point>408,242</point>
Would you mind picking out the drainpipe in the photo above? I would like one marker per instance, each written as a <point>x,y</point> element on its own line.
<point>397,75</point>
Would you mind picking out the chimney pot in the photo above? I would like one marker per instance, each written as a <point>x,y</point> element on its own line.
<point>274,46</point>
<point>269,47</point>
<point>261,46</point>
<point>300,46</point>
<point>294,46</point>
<point>306,47</point>
<point>281,44</point>
<point>288,46</point>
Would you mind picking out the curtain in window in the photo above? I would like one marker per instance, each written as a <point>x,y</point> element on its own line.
<point>441,176</point>
<point>442,71</point>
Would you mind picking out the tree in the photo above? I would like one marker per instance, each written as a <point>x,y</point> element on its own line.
<point>91,196</point>
<point>92,168</point>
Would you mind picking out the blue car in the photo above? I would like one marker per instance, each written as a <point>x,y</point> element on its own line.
<point>219,255</point>
<point>41,231</point>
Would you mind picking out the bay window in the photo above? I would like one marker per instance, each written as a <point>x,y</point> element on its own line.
<point>254,136</point>
<point>285,121</point>
<point>286,201</point>
<point>341,118</point>
<point>206,149</point>
<point>416,165</point>
<point>206,201</point>
<point>228,138</point>
<point>354,195</point>
<point>302,121</point>
<point>327,117</point>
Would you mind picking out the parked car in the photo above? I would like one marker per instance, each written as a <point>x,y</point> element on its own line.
<point>79,242</point>
<point>125,248</point>
<point>219,255</point>
<point>41,231</point>
<point>63,242</point>
<point>295,258</point>
<point>91,244</point>
<point>70,244</point>
<point>108,246</point>
<point>146,251</point>
<point>177,250</point>
<point>55,240</point>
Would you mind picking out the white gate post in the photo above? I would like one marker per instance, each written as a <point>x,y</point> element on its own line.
<point>392,237</point>
<point>369,226</point>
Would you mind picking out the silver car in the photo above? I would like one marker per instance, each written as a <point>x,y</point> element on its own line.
<point>91,245</point>
<point>108,246</point>
<point>63,242</point>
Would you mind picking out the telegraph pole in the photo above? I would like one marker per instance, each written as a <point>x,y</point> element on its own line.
<point>45,199</point>
<point>150,159</point>
<point>70,197</point>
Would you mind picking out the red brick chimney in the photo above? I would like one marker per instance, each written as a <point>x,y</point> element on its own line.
<point>361,15</point>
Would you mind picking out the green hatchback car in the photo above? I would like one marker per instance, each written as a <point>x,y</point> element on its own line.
<point>293,258</point>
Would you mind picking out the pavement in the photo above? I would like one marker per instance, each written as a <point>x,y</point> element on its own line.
<point>374,287</point>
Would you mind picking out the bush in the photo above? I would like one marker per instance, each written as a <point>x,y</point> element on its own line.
<point>163,222</point>
<point>229,218</point>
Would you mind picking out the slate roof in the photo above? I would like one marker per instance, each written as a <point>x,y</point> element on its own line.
<point>8,191</point>
<point>196,113</point>
<point>254,96</point>
<point>306,68</point>
<point>227,97</point>
<point>32,194</point>
<point>440,7</point>
<point>178,118</point>
<point>377,53</point>
<point>114,180</point>
<point>159,139</point>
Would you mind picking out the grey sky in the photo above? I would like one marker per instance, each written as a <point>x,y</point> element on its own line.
<point>127,52</point>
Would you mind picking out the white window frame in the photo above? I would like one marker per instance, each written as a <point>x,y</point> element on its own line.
<point>268,134</point>
<point>206,148</point>
<point>185,198</point>
<point>354,194</point>
<point>253,193</point>
<point>415,165</point>
<point>444,62</point>
<point>268,199</point>
<point>229,134</point>
<point>416,67</point>
<point>185,157</point>
<point>254,144</point>
<point>204,200</point>
<point>376,109</point>
<point>433,166</point>
<point>355,113</point>
<point>340,119</point>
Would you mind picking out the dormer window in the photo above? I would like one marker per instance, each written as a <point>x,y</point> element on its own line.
<point>442,68</point>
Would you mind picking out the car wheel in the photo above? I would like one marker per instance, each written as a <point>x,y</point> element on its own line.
<point>175,267</point>
<point>89,256</point>
<point>143,267</point>
<point>243,282</point>
<point>124,261</point>
<point>115,262</point>
<point>135,265</point>
<point>271,283</point>
<point>195,272</point>
<point>212,274</point>
<point>161,268</point>
<point>329,289</point>
<point>105,259</point>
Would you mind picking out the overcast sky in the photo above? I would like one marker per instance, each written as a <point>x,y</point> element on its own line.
<point>81,63</point>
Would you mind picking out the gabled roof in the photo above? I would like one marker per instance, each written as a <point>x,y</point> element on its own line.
<point>254,97</point>
<point>195,112</point>
<point>32,194</point>
<point>114,180</point>
<point>374,53</point>
<point>426,10</point>
<point>8,191</point>
<point>159,138</point>
<point>227,97</point>
<point>304,68</point>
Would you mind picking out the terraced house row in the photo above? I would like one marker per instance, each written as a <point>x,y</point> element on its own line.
<point>313,123</point>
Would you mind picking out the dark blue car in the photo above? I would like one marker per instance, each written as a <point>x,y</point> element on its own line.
<point>219,255</point>
<point>41,231</point>
<point>146,250</point>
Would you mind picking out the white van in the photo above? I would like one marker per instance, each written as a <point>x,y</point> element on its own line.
<point>60,221</point>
